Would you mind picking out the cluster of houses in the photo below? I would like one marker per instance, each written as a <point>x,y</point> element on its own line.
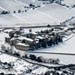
<point>33,40</point>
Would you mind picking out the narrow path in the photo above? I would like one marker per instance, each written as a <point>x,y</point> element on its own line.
<point>71,54</point>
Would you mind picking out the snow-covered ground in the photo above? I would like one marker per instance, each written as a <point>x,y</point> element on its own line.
<point>19,65</point>
<point>64,59</point>
<point>40,70</point>
<point>6,58</point>
<point>50,14</point>
<point>11,5</point>
<point>69,2</point>
<point>65,47</point>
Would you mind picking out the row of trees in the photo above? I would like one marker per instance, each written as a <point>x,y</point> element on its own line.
<point>42,59</point>
<point>5,12</point>
<point>15,11</point>
<point>21,11</point>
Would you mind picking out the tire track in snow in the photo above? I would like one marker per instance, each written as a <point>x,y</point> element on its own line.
<point>71,36</point>
<point>48,16</point>
<point>21,3</point>
<point>3,8</point>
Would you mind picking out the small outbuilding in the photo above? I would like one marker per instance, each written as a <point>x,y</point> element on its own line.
<point>22,46</point>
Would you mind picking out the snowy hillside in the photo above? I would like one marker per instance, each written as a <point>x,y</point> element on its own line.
<point>69,2</point>
<point>27,1</point>
<point>48,14</point>
<point>34,50</point>
<point>58,12</point>
<point>10,5</point>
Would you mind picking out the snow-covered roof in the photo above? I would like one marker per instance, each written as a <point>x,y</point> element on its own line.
<point>22,44</point>
<point>25,38</point>
<point>39,37</point>
<point>12,39</point>
<point>8,30</point>
<point>34,33</point>
<point>26,31</point>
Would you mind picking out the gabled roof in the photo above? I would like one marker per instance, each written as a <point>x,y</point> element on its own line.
<point>25,38</point>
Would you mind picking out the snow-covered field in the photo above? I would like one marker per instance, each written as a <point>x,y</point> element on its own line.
<point>26,1</point>
<point>57,12</point>
<point>11,5</point>
<point>65,47</point>
<point>69,2</point>
<point>6,58</point>
<point>49,14</point>
<point>19,65</point>
<point>53,14</point>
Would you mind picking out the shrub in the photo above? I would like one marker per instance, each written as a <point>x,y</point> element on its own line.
<point>32,57</point>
